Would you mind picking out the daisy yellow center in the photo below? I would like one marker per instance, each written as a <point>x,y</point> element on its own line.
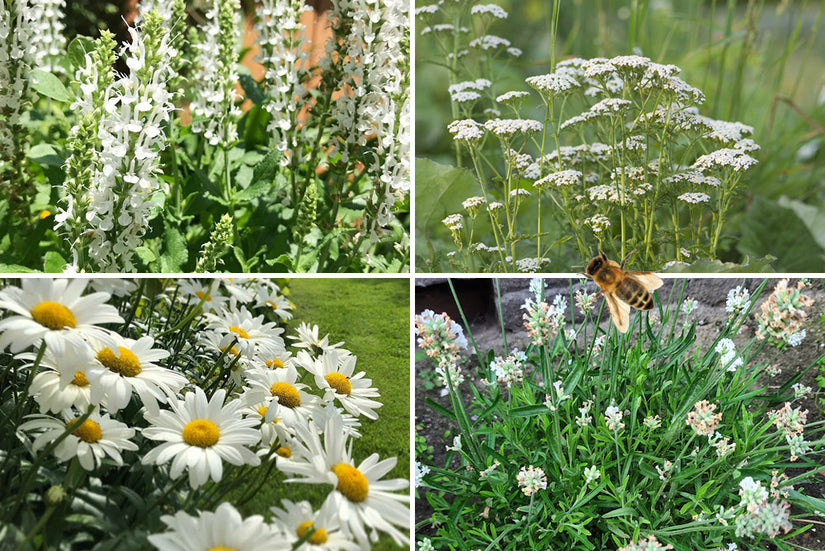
<point>127,364</point>
<point>88,431</point>
<point>272,304</point>
<point>318,537</point>
<point>201,432</point>
<point>80,379</point>
<point>240,332</point>
<point>262,411</point>
<point>44,214</point>
<point>284,451</point>
<point>351,482</point>
<point>233,350</point>
<point>287,394</point>
<point>275,363</point>
<point>339,382</point>
<point>201,294</point>
<point>53,315</point>
<point>221,548</point>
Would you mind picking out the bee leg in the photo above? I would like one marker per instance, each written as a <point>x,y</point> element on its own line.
<point>628,255</point>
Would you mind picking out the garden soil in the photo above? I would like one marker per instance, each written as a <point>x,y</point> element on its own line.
<point>478,298</point>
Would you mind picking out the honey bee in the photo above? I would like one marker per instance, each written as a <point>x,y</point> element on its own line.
<point>622,288</point>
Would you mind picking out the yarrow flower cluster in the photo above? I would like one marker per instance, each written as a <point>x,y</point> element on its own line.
<point>640,176</point>
<point>783,314</point>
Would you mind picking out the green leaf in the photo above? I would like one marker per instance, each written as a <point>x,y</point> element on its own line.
<point>254,191</point>
<point>53,263</point>
<point>703,265</point>
<point>78,48</point>
<point>268,167</point>
<point>45,154</point>
<point>813,217</point>
<point>49,85</point>
<point>251,88</point>
<point>769,228</point>
<point>239,256</point>
<point>175,253</point>
<point>145,254</point>
<point>17,269</point>
<point>283,260</point>
<point>439,191</point>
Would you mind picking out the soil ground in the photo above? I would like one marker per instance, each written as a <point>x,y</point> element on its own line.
<point>478,299</point>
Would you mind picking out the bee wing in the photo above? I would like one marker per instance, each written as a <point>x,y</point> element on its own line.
<point>648,280</point>
<point>619,312</point>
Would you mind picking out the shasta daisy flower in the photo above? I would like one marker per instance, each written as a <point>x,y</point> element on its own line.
<point>53,310</point>
<point>128,366</point>
<point>307,337</point>
<point>62,383</point>
<point>250,332</point>
<point>224,529</point>
<point>296,405</point>
<point>199,433</point>
<point>333,372</point>
<point>97,437</point>
<point>194,291</point>
<point>296,519</point>
<point>362,499</point>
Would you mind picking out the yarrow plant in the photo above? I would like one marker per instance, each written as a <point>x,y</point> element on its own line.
<point>136,416</point>
<point>653,425</point>
<point>621,157</point>
<point>179,160</point>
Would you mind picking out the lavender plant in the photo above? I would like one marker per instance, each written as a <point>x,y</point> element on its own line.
<point>146,414</point>
<point>618,159</point>
<point>103,172</point>
<point>591,439</point>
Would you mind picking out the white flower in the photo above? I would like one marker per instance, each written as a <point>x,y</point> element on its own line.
<point>511,95</point>
<point>126,181</point>
<point>268,295</point>
<point>489,42</point>
<point>492,10</point>
<point>727,350</point>
<point>199,433</point>
<point>223,529</point>
<point>559,179</point>
<point>591,474</point>
<point>334,373</point>
<point>47,33</point>
<point>280,385</point>
<point>214,111</point>
<point>453,221</point>
<point>203,292</point>
<point>91,441</point>
<point>307,337</point>
<point>129,366</point>
<point>63,383</point>
<point>251,333</point>
<point>511,127</point>
<point>466,130</point>
<point>296,519</point>
<point>54,310</point>
<point>694,197</point>
<point>736,159</point>
<point>362,499</point>
<point>531,480</point>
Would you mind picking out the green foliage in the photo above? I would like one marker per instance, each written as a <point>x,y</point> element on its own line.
<point>618,424</point>
<point>753,60</point>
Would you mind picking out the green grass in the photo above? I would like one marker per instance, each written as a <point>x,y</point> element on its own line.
<point>372,317</point>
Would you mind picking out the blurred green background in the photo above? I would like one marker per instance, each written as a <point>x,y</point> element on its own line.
<point>759,62</point>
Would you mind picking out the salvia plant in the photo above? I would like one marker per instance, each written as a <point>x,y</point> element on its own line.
<point>620,157</point>
<point>589,439</point>
<point>131,169</point>
<point>148,413</point>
